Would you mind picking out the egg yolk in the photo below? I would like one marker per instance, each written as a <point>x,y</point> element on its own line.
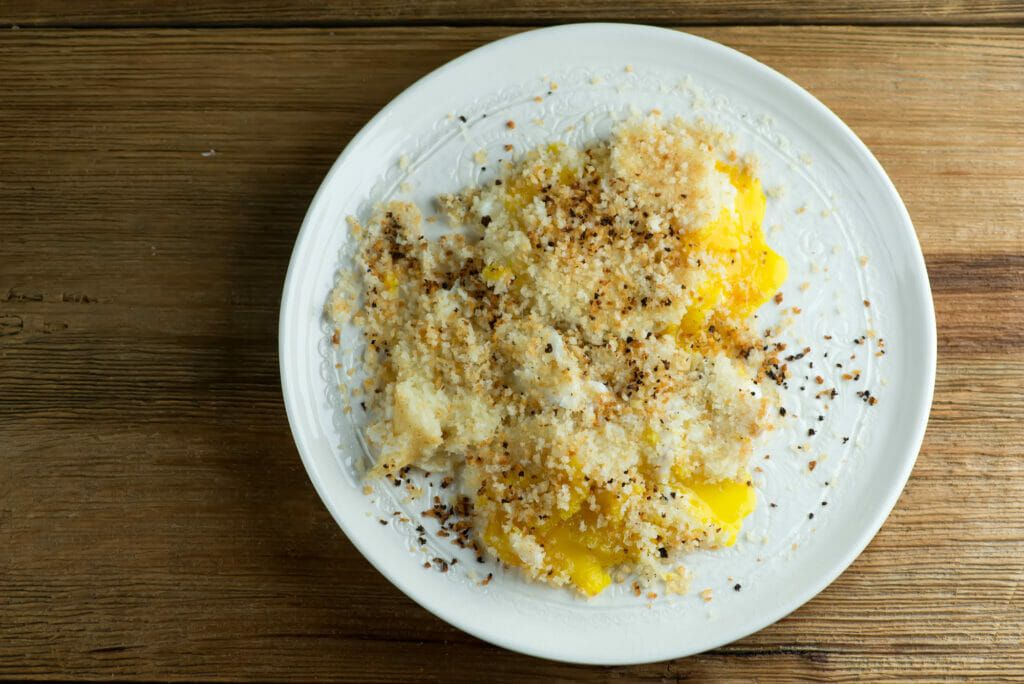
<point>744,272</point>
<point>741,274</point>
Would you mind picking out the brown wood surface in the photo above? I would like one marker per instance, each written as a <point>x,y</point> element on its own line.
<point>249,13</point>
<point>155,519</point>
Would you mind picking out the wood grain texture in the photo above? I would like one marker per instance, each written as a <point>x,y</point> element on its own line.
<point>155,520</point>
<point>294,13</point>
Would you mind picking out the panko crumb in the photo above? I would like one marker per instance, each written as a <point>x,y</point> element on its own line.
<point>537,357</point>
<point>678,582</point>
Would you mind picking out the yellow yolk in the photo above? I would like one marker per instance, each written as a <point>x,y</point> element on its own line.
<point>497,274</point>
<point>575,547</point>
<point>722,504</point>
<point>391,283</point>
<point>743,274</point>
<point>521,190</point>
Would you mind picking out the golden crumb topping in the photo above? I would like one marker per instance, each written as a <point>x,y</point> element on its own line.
<point>578,356</point>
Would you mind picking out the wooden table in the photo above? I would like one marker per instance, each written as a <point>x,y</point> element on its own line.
<point>155,165</point>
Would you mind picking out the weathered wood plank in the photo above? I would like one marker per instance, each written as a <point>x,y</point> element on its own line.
<point>155,521</point>
<point>939,107</point>
<point>155,548</point>
<point>278,13</point>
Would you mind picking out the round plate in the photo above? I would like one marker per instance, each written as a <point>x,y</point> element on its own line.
<point>857,300</point>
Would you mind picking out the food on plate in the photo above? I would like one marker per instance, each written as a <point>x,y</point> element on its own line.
<point>580,359</point>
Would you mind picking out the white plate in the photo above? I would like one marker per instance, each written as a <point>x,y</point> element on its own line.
<point>852,241</point>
